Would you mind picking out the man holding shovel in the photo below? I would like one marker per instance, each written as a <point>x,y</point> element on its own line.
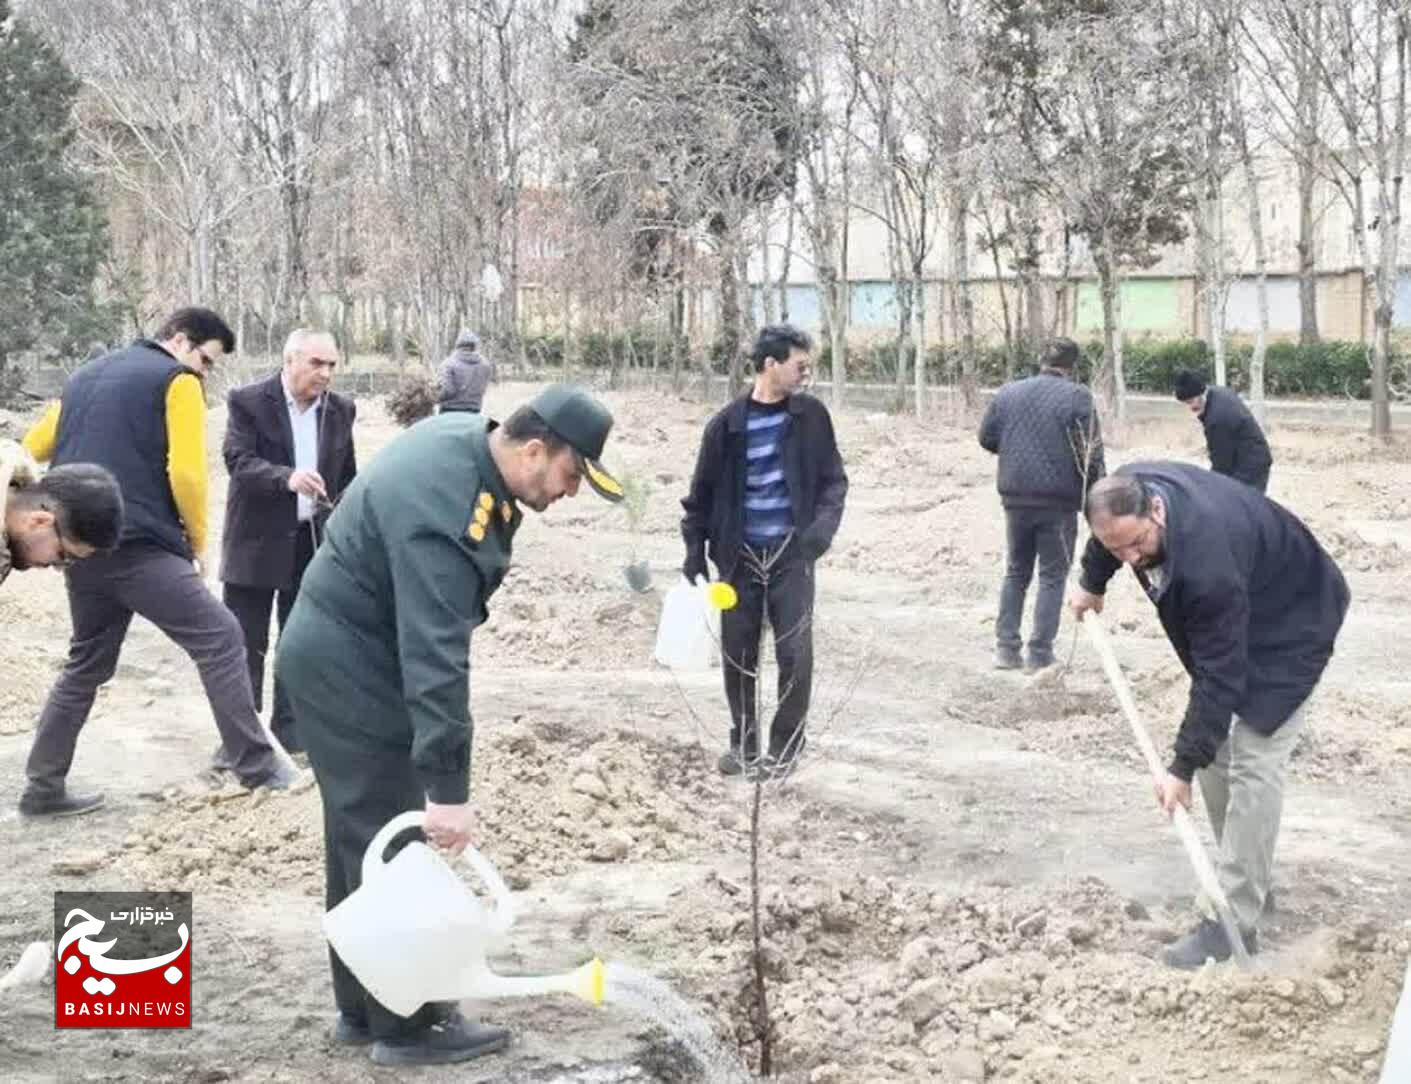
<point>1252,604</point>
<point>375,656</point>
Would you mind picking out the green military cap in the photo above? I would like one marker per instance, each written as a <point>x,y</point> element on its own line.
<point>583,424</point>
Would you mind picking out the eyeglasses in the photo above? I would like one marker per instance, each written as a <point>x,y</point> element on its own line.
<point>65,558</point>
<point>205,358</point>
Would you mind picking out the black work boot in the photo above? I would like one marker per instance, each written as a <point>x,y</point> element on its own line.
<point>351,1030</point>
<point>1207,941</point>
<point>281,777</point>
<point>451,1040</point>
<point>1008,658</point>
<point>734,761</point>
<point>44,802</point>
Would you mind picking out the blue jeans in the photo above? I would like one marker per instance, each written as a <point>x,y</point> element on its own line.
<point>1048,534</point>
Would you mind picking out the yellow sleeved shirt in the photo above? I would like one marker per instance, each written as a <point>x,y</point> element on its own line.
<point>186,456</point>
<point>186,452</point>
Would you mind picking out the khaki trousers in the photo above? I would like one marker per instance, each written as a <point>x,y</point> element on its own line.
<point>1244,795</point>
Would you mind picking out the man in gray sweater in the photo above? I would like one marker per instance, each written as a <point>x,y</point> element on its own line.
<point>1045,431</point>
<point>463,377</point>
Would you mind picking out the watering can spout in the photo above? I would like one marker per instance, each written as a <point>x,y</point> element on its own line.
<point>586,982</point>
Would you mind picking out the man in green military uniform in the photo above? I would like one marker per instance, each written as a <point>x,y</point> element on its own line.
<point>375,655</point>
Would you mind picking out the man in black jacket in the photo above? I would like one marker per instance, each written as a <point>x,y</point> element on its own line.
<point>289,451</point>
<point>1045,431</point>
<point>1252,604</point>
<point>766,499</point>
<point>1236,444</point>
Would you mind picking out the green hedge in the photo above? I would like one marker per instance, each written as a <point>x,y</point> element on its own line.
<point>1325,369</point>
<point>1330,368</point>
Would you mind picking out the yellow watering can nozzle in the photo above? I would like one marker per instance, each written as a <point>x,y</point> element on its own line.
<point>591,982</point>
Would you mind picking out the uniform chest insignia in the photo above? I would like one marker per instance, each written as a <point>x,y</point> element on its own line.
<point>506,511</point>
<point>476,532</point>
<point>486,501</point>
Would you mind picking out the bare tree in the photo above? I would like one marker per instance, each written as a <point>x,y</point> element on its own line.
<point>694,104</point>
<point>280,74</point>
<point>829,96</point>
<point>156,132</point>
<point>1362,63</point>
<point>1280,42</point>
<point>906,171</point>
<point>1108,147</point>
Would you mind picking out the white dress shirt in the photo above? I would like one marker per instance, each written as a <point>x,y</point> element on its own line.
<point>303,421</point>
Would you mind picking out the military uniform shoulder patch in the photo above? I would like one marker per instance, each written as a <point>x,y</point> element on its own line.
<point>480,516</point>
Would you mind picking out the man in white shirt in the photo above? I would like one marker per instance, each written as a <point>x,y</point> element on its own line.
<point>289,451</point>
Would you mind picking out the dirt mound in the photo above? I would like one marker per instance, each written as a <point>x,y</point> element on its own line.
<point>903,984</point>
<point>546,800</point>
<point>1363,551</point>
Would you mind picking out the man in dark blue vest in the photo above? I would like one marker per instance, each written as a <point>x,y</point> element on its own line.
<point>140,412</point>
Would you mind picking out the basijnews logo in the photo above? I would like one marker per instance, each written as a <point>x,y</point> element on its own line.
<point>123,959</point>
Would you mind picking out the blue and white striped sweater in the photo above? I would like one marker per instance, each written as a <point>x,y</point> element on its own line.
<point>769,514</point>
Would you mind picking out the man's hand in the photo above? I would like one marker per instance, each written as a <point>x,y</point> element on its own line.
<point>307,482</point>
<point>1171,792</point>
<point>447,827</point>
<point>1080,602</point>
<point>695,568</point>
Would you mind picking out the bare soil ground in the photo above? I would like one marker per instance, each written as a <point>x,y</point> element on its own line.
<point>967,880</point>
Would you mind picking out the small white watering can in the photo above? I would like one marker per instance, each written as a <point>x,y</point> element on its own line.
<point>689,627</point>
<point>414,932</point>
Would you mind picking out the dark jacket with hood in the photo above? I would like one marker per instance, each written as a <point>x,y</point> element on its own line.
<point>463,377</point>
<point>1236,444</point>
<point>1045,431</point>
<point>715,506</point>
<point>1248,598</point>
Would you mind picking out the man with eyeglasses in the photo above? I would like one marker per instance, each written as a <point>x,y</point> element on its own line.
<point>289,451</point>
<point>54,519</point>
<point>1252,605</point>
<point>140,413</point>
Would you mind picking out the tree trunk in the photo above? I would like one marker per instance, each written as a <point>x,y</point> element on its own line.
<point>964,302</point>
<point>1112,383</point>
<point>727,334</point>
<point>1261,276</point>
<point>918,334</point>
<point>904,303</point>
<point>1307,240</point>
<point>1213,238</point>
<point>766,282</point>
<point>1308,136</point>
<point>786,259</point>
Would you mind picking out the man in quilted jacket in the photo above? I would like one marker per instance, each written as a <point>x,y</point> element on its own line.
<point>1045,431</point>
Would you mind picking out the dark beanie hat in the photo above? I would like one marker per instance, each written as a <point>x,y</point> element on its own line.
<point>1189,385</point>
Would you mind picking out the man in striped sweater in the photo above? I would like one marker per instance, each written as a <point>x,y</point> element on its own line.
<point>766,499</point>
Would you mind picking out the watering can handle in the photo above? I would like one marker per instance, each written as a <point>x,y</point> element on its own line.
<point>501,916</point>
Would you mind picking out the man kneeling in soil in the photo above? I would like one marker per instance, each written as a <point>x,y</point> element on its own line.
<point>375,656</point>
<point>1252,604</point>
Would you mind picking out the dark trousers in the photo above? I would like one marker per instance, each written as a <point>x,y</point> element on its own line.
<point>104,593</point>
<point>1048,534</point>
<point>363,783</point>
<point>251,607</point>
<point>785,591</point>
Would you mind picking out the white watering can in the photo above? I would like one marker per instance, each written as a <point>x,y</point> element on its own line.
<point>414,932</point>
<point>689,627</point>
